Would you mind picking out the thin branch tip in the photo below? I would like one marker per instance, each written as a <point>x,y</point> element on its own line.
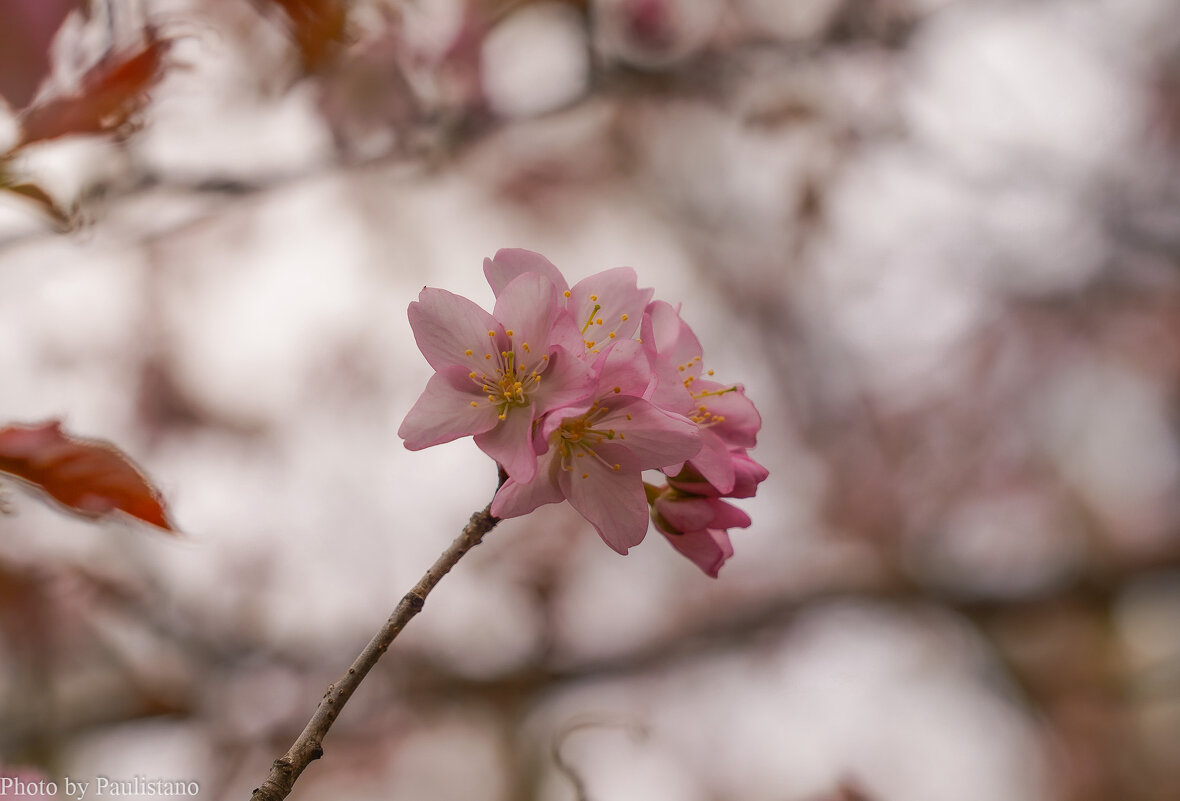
<point>285,770</point>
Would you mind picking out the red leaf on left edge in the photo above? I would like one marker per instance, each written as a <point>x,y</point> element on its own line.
<point>112,92</point>
<point>88,477</point>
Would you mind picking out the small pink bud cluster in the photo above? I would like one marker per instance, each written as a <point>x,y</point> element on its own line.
<point>576,391</point>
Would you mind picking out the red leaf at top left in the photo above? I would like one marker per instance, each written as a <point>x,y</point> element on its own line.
<point>88,477</point>
<point>112,92</point>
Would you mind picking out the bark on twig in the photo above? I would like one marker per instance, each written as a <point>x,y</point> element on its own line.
<point>309,745</point>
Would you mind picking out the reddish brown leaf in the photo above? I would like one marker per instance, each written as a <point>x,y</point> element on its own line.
<point>111,93</point>
<point>88,477</point>
<point>25,35</point>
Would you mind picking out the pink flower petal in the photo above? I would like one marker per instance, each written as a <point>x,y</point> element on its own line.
<point>667,333</point>
<point>714,463</point>
<point>608,302</point>
<point>748,475</point>
<point>509,263</point>
<point>566,381</point>
<point>612,500</point>
<point>686,514</point>
<point>511,443</point>
<point>708,549</point>
<point>518,498</point>
<point>726,515</point>
<point>527,307</point>
<point>671,345</point>
<point>741,421</point>
<point>624,369</point>
<point>444,412</point>
<point>567,333</point>
<point>447,325</point>
<point>654,437</point>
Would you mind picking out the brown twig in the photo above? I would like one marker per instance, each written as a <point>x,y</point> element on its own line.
<point>309,745</point>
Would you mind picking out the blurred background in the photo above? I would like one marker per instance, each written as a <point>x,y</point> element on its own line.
<point>938,241</point>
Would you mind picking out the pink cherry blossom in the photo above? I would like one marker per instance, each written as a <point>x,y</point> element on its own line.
<point>576,391</point>
<point>596,451</point>
<point>496,373</point>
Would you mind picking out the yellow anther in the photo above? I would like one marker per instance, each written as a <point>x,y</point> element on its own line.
<point>708,372</point>
<point>525,346</point>
<point>472,375</point>
<point>611,335</point>
<point>628,417</point>
<point>625,318</point>
<point>593,298</point>
<point>487,355</point>
<point>589,343</point>
<point>566,293</point>
<point>468,352</point>
<point>475,404</point>
<point>617,390</point>
<point>616,467</point>
<point>509,332</point>
<point>682,368</point>
<point>503,415</point>
<point>492,398</point>
<point>585,475</point>
<point>491,333</point>
<point>598,321</point>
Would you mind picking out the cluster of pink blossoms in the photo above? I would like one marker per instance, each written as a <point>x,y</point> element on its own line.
<point>576,391</point>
